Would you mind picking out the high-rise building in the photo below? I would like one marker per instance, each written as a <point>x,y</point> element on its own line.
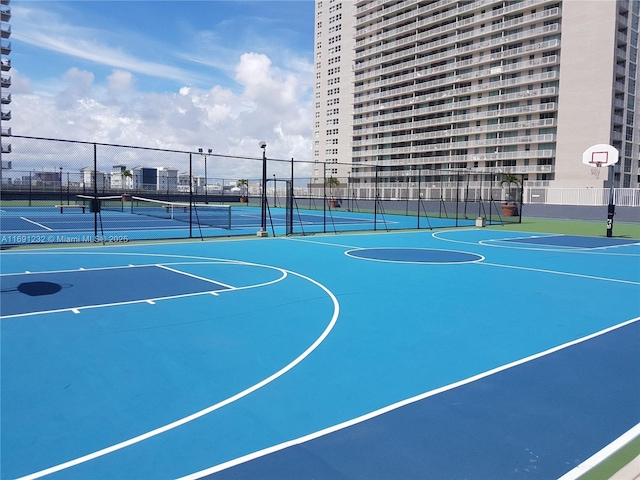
<point>333,92</point>
<point>5,83</point>
<point>521,86</point>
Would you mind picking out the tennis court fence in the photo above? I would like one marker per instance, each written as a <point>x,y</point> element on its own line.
<point>61,191</point>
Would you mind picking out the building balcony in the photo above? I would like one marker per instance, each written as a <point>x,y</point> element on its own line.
<point>431,172</point>
<point>454,104</point>
<point>425,31</point>
<point>6,149</point>
<point>5,30</point>
<point>500,127</point>
<point>410,151</point>
<point>5,116</point>
<point>508,83</point>
<point>621,38</point>
<point>455,116</point>
<point>623,21</point>
<point>5,99</point>
<point>426,46</point>
<point>5,48</point>
<point>452,68</point>
<point>449,132</point>
<point>372,21</point>
<point>374,161</point>
<point>5,82</point>
<point>5,14</point>
<point>5,131</point>
<point>362,7</point>
<point>452,145</point>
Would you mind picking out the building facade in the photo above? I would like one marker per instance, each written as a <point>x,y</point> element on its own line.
<point>333,92</point>
<point>519,87</point>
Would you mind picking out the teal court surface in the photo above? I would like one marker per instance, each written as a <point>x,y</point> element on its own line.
<point>454,354</point>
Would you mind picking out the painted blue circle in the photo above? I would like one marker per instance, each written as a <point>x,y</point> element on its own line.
<point>414,255</point>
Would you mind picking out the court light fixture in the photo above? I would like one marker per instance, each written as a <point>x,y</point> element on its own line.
<point>209,152</point>
<point>263,216</point>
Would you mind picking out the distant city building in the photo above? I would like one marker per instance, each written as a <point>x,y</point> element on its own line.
<point>45,179</point>
<point>155,178</point>
<point>121,178</point>
<point>90,179</point>
<point>512,86</point>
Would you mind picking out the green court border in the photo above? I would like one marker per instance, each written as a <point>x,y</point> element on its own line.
<point>572,227</point>
<point>628,453</point>
<point>616,462</point>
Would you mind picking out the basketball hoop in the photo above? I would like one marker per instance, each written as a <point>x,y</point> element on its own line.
<point>598,156</point>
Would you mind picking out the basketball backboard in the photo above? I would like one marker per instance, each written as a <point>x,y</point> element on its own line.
<point>600,155</point>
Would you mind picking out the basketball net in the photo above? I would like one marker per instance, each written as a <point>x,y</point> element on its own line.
<point>595,171</point>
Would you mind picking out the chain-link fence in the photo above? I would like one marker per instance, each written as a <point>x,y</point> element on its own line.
<point>60,191</point>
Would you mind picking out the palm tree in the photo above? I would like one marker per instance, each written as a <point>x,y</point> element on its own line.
<point>332,182</point>
<point>509,180</point>
<point>126,173</point>
<point>244,183</point>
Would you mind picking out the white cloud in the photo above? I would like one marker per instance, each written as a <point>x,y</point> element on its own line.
<point>120,82</point>
<point>258,97</point>
<point>268,104</point>
<point>79,85</point>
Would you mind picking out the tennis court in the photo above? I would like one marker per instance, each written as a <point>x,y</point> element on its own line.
<point>142,219</point>
<point>448,354</point>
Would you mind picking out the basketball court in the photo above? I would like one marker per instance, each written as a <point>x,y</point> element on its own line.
<point>467,353</point>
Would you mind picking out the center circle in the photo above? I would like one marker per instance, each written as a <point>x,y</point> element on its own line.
<point>414,255</point>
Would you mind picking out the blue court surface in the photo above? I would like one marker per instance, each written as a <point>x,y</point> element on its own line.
<point>48,225</point>
<point>455,354</point>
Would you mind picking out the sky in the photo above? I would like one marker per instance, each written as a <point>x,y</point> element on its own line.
<point>177,74</point>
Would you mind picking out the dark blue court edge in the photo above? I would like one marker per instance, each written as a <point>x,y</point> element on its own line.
<point>574,241</point>
<point>81,288</point>
<point>496,428</point>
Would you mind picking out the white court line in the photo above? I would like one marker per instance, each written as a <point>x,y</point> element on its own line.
<point>36,223</point>
<point>212,408</point>
<point>115,267</point>
<point>317,242</point>
<point>576,250</point>
<point>555,272</point>
<point>348,253</point>
<point>79,269</point>
<point>395,406</point>
<point>197,277</point>
<point>151,301</point>
<point>559,248</point>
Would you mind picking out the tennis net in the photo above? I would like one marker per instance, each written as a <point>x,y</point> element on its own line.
<point>196,213</point>
<point>112,203</point>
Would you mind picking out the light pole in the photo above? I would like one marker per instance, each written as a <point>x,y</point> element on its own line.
<point>209,152</point>
<point>348,191</point>
<point>275,198</point>
<point>263,217</point>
